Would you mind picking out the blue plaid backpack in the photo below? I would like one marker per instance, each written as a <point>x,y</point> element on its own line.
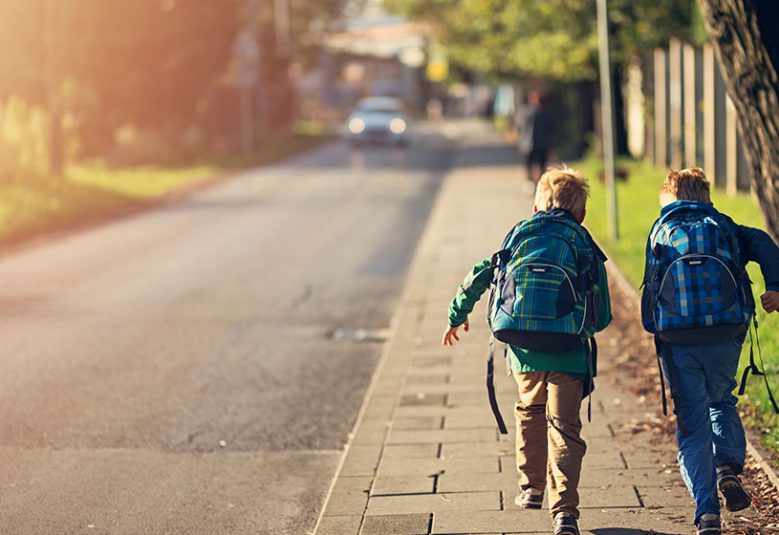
<point>542,295</point>
<point>696,290</point>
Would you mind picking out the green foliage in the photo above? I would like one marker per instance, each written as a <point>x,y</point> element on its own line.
<point>638,208</point>
<point>552,39</point>
<point>155,64</point>
<point>34,204</point>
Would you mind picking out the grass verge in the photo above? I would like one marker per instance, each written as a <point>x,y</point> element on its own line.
<point>88,193</point>
<point>637,210</point>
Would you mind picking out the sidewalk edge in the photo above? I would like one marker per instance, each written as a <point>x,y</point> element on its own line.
<point>400,310</point>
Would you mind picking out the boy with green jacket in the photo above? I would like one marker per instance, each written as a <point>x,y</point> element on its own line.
<point>551,385</point>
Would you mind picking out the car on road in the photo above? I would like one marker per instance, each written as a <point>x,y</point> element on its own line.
<point>378,120</point>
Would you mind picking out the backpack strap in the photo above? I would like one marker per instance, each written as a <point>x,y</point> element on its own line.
<point>491,387</point>
<point>755,370</point>
<point>591,358</point>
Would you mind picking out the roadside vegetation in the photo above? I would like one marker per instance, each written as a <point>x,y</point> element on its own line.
<point>32,204</point>
<point>638,208</point>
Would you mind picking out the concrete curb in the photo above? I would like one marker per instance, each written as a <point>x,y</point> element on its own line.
<point>620,280</point>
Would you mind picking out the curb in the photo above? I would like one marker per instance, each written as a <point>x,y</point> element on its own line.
<point>619,279</point>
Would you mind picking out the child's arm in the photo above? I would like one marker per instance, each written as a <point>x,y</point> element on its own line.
<point>757,246</point>
<point>468,293</point>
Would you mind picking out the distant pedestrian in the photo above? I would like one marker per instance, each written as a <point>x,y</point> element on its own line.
<point>698,303</point>
<point>550,283</point>
<point>535,130</point>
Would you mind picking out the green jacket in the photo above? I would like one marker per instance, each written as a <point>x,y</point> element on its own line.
<point>522,360</point>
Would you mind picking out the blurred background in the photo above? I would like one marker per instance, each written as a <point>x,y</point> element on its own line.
<point>244,320</point>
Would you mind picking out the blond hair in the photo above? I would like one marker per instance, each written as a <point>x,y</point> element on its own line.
<point>685,185</point>
<point>562,187</point>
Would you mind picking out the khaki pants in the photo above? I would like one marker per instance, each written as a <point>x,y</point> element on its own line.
<point>549,446</point>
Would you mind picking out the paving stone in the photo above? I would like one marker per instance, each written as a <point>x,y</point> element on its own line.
<point>347,503</point>
<point>413,524</point>
<point>358,484</point>
<point>396,467</point>
<point>442,436</point>
<point>422,362</point>
<point>361,460</point>
<point>434,503</point>
<point>373,433</point>
<point>413,400</point>
<point>412,484</point>
<point>445,388</point>
<point>459,482</point>
<point>476,449</point>
<point>444,410</point>
<point>481,419</point>
<point>663,496</point>
<point>506,400</point>
<point>422,422</point>
<point>510,521</point>
<point>339,525</point>
<point>410,451</point>
<point>427,379</point>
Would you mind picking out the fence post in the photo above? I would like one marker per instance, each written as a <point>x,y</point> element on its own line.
<point>675,100</point>
<point>661,157</point>
<point>690,108</point>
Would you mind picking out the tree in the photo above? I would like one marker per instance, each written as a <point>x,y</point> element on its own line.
<point>745,41</point>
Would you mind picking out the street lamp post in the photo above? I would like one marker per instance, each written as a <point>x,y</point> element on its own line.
<point>607,119</point>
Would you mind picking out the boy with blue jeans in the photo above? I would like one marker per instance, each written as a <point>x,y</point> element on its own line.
<point>686,275</point>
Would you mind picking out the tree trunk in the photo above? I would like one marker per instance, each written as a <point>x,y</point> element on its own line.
<point>749,69</point>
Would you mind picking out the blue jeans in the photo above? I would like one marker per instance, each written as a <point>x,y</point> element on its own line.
<point>709,430</point>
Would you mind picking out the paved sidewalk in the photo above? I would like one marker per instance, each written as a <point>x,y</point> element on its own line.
<point>426,456</point>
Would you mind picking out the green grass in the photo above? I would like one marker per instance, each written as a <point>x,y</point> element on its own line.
<point>30,206</point>
<point>637,209</point>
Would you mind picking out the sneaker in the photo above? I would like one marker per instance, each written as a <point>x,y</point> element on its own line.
<point>566,524</point>
<point>709,525</point>
<point>728,483</point>
<point>529,499</point>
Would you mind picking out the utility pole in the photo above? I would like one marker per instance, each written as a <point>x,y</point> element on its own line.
<point>607,120</point>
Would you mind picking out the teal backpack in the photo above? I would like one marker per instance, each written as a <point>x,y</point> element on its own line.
<point>542,296</point>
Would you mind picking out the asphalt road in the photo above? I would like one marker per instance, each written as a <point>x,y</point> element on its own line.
<point>176,372</point>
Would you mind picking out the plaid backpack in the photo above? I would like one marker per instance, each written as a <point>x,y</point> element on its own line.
<point>696,290</point>
<point>541,297</point>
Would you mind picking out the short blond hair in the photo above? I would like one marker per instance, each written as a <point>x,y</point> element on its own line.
<point>564,188</point>
<point>685,185</point>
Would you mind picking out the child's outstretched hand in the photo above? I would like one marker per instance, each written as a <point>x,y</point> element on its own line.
<point>770,301</point>
<point>450,335</point>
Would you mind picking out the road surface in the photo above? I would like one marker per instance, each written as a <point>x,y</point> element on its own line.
<point>177,371</point>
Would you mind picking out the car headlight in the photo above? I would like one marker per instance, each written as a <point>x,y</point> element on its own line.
<point>356,125</point>
<point>397,125</point>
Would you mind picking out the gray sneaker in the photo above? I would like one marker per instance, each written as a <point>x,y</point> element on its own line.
<point>709,524</point>
<point>529,499</point>
<point>566,524</point>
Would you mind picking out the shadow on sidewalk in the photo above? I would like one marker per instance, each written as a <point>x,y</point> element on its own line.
<point>626,531</point>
